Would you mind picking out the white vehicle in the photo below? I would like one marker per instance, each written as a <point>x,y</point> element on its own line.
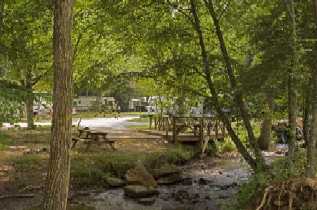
<point>41,109</point>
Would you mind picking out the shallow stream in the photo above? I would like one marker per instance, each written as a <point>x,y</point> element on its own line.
<point>210,183</point>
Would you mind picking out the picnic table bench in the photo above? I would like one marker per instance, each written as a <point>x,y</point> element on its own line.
<point>90,137</point>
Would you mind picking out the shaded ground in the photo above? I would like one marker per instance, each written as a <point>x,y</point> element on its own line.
<point>23,171</point>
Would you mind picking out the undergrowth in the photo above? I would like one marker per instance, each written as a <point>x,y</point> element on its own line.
<point>250,191</point>
<point>92,169</point>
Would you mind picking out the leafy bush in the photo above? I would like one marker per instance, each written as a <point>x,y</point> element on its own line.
<point>10,105</point>
<point>226,146</point>
<point>280,172</point>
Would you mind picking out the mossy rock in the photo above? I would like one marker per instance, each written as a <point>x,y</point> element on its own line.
<point>140,176</point>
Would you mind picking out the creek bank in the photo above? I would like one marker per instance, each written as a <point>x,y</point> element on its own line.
<point>204,185</point>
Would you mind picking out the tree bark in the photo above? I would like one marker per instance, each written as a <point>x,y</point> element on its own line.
<point>241,148</point>
<point>266,126</point>
<point>59,162</point>
<point>307,109</point>
<point>239,101</point>
<point>29,109</point>
<point>1,15</point>
<point>311,144</point>
<point>29,100</point>
<point>292,95</point>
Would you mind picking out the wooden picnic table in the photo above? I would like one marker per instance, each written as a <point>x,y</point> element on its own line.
<point>93,137</point>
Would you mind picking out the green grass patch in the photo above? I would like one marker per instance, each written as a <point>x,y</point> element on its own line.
<point>29,162</point>
<point>138,127</point>
<point>140,120</point>
<point>5,141</point>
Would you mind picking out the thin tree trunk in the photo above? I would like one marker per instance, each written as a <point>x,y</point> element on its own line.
<point>1,16</point>
<point>99,101</point>
<point>234,86</point>
<point>266,126</point>
<point>311,144</point>
<point>29,100</point>
<point>241,148</point>
<point>312,139</point>
<point>59,162</point>
<point>307,109</point>
<point>29,109</point>
<point>292,95</point>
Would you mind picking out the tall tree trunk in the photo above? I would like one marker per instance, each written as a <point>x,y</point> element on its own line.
<point>29,100</point>
<point>99,101</point>
<point>239,101</point>
<point>311,144</point>
<point>29,109</point>
<point>307,109</point>
<point>223,117</point>
<point>59,162</point>
<point>266,126</point>
<point>292,95</point>
<point>312,139</point>
<point>1,16</point>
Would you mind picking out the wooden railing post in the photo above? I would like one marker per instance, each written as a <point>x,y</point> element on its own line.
<point>201,130</point>
<point>174,129</point>
<point>216,129</point>
<point>151,119</point>
<point>166,127</point>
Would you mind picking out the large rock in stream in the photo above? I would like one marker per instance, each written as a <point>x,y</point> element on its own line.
<point>165,170</point>
<point>167,175</point>
<point>140,176</point>
<point>115,182</point>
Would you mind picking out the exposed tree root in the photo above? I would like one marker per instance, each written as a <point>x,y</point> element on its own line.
<point>294,194</point>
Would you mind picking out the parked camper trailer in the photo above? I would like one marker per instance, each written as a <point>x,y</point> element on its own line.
<point>138,104</point>
<point>93,103</point>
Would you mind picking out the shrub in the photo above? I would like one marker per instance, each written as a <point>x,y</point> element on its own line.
<point>226,146</point>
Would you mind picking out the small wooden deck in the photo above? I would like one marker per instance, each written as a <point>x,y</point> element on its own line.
<point>182,137</point>
<point>187,129</point>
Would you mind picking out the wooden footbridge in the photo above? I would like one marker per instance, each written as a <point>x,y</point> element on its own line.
<point>187,129</point>
<point>174,129</point>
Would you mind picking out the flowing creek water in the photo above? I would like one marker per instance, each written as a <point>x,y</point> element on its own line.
<point>209,184</point>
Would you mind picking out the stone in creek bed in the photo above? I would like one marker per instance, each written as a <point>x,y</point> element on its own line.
<point>147,201</point>
<point>203,181</point>
<point>205,206</point>
<point>181,196</point>
<point>166,170</point>
<point>140,176</point>
<point>169,180</point>
<point>115,182</point>
<point>187,181</point>
<point>138,191</point>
